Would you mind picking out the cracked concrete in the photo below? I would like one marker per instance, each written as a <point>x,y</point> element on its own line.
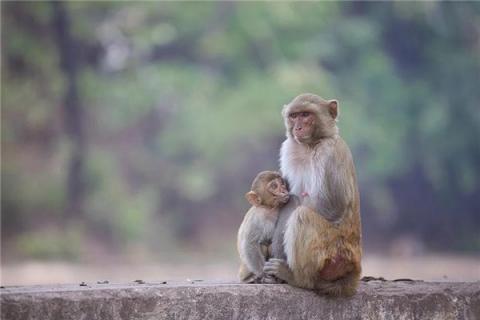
<point>208,300</point>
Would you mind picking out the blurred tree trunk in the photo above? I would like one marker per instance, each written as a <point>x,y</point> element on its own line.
<point>73,112</point>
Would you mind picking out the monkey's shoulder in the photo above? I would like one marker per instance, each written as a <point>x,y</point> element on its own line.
<point>336,152</point>
<point>259,224</point>
<point>341,145</point>
<point>263,213</point>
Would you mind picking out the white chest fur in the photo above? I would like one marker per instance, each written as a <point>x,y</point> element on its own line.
<point>304,167</point>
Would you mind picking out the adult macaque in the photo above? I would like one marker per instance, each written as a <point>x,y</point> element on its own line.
<point>316,245</point>
<point>267,195</point>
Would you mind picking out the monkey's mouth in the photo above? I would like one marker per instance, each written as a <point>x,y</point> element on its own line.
<point>284,199</point>
<point>302,136</point>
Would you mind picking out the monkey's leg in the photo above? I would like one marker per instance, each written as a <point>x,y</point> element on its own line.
<point>345,286</point>
<point>266,278</point>
<point>310,241</point>
<point>306,246</point>
<point>245,275</point>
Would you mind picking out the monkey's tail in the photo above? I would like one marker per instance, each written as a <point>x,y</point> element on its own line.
<point>343,287</point>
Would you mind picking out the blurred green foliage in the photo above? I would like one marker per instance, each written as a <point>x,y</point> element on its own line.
<point>182,107</point>
<point>51,243</point>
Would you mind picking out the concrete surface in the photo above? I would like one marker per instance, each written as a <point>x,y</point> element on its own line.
<point>205,300</point>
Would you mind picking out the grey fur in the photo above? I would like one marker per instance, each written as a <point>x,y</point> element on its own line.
<point>277,241</point>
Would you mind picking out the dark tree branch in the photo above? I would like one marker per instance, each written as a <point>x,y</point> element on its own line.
<point>73,111</point>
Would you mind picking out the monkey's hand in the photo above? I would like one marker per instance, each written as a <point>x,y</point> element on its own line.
<point>279,269</point>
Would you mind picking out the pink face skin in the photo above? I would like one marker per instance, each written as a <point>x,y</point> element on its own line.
<point>279,189</point>
<point>302,125</point>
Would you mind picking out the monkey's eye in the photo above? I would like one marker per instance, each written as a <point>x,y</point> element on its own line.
<point>305,114</point>
<point>292,115</point>
<point>274,185</point>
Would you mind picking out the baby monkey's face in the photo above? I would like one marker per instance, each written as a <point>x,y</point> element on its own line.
<point>268,190</point>
<point>278,190</point>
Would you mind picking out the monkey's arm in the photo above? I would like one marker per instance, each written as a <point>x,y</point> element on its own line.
<point>337,197</point>
<point>248,246</point>
<point>253,256</point>
<point>284,214</point>
<point>250,243</point>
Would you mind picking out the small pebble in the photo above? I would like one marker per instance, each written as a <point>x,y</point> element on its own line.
<point>403,280</point>
<point>370,278</point>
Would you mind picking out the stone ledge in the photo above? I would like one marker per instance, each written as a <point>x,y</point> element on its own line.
<point>199,300</point>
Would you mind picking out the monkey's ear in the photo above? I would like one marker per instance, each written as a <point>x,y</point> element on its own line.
<point>333,108</point>
<point>253,198</point>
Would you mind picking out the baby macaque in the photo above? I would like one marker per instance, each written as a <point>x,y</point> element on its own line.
<point>268,194</point>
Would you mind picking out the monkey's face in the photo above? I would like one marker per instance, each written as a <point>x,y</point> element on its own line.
<point>277,188</point>
<point>302,126</point>
<point>268,190</point>
<point>309,118</point>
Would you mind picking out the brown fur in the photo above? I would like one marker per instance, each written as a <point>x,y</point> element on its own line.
<point>321,238</point>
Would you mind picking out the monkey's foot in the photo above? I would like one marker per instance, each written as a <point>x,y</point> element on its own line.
<point>251,278</point>
<point>254,280</point>
<point>269,279</point>
<point>278,268</point>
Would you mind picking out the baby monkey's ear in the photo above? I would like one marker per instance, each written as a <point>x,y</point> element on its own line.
<point>253,198</point>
